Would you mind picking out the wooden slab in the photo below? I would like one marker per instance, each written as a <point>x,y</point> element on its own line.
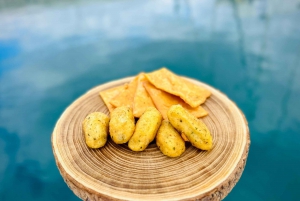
<point>114,172</point>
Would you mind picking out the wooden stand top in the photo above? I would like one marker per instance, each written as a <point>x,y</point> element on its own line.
<point>114,172</point>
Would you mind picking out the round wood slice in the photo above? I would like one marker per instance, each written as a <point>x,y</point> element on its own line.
<point>114,172</point>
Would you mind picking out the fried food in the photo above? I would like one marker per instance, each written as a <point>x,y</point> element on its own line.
<point>145,130</point>
<point>163,101</point>
<point>127,95</point>
<point>121,124</point>
<point>154,96</point>
<point>194,129</point>
<point>165,80</point>
<point>141,99</point>
<point>109,94</point>
<point>95,129</point>
<point>169,141</point>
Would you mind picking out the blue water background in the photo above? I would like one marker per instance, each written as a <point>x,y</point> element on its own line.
<point>51,52</point>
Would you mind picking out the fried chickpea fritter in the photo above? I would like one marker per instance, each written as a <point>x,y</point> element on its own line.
<point>169,141</point>
<point>194,129</point>
<point>95,129</point>
<point>121,124</point>
<point>145,130</point>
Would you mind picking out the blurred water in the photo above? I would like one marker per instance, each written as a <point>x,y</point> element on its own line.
<point>52,52</point>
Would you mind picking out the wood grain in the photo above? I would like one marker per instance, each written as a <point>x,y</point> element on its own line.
<point>114,172</point>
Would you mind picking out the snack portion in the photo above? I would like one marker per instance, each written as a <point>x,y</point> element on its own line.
<point>167,81</point>
<point>141,100</point>
<point>146,129</point>
<point>109,94</point>
<point>121,124</point>
<point>95,129</point>
<point>194,129</point>
<point>163,101</point>
<point>126,96</point>
<point>157,105</point>
<point>161,89</point>
<point>169,141</point>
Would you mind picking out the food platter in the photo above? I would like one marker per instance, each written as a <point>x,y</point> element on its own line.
<point>114,172</point>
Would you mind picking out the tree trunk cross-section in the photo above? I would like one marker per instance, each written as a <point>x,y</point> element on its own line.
<point>114,172</point>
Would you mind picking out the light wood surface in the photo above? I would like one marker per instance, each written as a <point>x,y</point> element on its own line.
<point>114,172</point>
